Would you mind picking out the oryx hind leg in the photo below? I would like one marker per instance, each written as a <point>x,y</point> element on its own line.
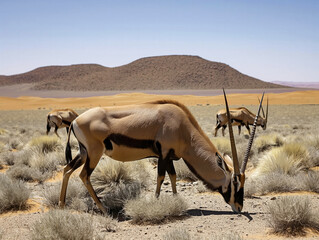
<point>67,171</point>
<point>93,158</point>
<point>239,129</point>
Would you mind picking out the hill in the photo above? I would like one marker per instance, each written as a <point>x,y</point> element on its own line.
<point>150,73</point>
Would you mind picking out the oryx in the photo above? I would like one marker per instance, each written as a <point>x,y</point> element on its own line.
<point>60,118</point>
<point>239,117</point>
<point>164,129</point>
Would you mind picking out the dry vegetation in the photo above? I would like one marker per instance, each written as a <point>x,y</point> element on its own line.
<point>285,158</point>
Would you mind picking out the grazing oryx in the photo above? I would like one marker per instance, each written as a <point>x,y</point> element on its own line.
<point>239,117</point>
<point>164,129</point>
<point>60,118</point>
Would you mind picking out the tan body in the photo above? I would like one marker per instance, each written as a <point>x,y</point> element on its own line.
<point>60,118</point>
<point>163,129</point>
<point>239,117</point>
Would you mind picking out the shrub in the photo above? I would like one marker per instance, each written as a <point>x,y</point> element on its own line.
<point>13,194</point>
<point>292,215</point>
<point>8,158</point>
<point>109,172</point>
<point>149,209</point>
<point>177,234</point>
<point>222,144</point>
<point>279,182</point>
<point>14,143</point>
<point>56,224</point>
<point>77,197</point>
<point>119,193</point>
<point>288,159</point>
<point>26,173</point>
<point>45,163</point>
<point>309,181</point>
<point>45,144</point>
<point>265,142</point>
<point>271,182</point>
<point>116,182</point>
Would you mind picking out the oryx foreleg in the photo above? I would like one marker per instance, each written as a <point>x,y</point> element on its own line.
<point>223,130</point>
<point>248,128</point>
<point>239,129</point>
<point>172,175</point>
<point>56,130</point>
<point>165,164</point>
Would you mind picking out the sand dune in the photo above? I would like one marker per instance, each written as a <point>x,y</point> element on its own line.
<point>286,98</point>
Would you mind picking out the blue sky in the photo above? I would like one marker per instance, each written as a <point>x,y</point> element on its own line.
<point>273,40</point>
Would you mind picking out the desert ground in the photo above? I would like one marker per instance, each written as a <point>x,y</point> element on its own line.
<point>293,119</point>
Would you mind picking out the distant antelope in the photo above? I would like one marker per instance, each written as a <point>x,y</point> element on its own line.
<point>60,118</point>
<point>239,117</point>
<point>163,129</point>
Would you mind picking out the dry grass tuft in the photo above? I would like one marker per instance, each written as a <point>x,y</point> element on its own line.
<point>45,144</point>
<point>116,182</point>
<point>77,197</point>
<point>13,194</point>
<point>177,234</point>
<point>222,144</point>
<point>268,183</point>
<point>266,142</point>
<point>151,210</point>
<point>118,194</point>
<point>292,215</point>
<point>56,224</point>
<point>289,159</point>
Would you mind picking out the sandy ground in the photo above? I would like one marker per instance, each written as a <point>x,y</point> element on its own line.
<point>276,97</point>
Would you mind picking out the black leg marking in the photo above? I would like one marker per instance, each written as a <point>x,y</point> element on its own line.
<point>48,127</point>
<point>108,144</point>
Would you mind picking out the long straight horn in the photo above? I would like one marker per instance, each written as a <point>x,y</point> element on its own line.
<point>262,109</point>
<point>232,141</point>
<point>267,111</point>
<point>251,139</point>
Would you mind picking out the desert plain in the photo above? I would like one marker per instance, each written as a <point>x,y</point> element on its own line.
<point>293,118</point>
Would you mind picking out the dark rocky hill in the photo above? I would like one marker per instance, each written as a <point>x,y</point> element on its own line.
<point>150,73</point>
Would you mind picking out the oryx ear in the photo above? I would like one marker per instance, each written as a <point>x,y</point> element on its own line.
<point>229,162</point>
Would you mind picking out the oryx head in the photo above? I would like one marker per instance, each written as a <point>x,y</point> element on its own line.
<point>234,192</point>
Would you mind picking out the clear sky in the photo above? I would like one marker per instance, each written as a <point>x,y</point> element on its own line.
<point>273,40</point>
